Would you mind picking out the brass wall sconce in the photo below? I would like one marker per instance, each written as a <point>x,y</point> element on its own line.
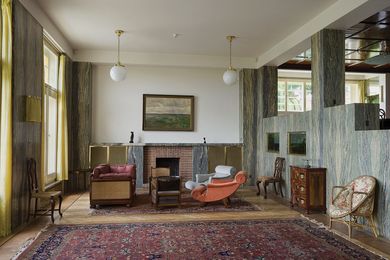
<point>33,109</point>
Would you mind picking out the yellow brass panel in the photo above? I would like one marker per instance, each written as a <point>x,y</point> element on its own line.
<point>234,157</point>
<point>98,155</point>
<point>117,154</point>
<point>33,109</point>
<point>216,156</point>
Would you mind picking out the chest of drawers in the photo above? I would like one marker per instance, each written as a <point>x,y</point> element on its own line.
<point>308,188</point>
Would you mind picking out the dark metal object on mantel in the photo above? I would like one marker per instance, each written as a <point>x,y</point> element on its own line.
<point>204,140</point>
<point>131,137</point>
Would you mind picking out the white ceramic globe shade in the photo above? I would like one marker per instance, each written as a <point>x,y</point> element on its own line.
<point>118,72</point>
<point>230,77</point>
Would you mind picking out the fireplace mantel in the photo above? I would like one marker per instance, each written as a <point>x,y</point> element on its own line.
<point>194,157</point>
<point>167,144</point>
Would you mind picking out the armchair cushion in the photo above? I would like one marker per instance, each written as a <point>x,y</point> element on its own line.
<point>106,171</point>
<point>355,193</point>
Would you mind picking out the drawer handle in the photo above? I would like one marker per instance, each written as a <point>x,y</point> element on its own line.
<point>302,188</point>
<point>302,175</point>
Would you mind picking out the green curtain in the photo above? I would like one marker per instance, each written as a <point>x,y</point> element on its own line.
<point>62,132</point>
<point>6,118</point>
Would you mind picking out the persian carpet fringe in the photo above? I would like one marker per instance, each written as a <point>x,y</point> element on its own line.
<point>356,242</point>
<point>28,242</point>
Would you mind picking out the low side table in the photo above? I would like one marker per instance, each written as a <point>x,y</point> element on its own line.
<point>76,175</point>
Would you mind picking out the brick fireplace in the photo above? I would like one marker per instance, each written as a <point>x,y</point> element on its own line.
<point>182,153</point>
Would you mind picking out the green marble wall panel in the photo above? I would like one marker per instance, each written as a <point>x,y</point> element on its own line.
<point>328,68</point>
<point>199,160</point>
<point>27,71</point>
<point>249,90</point>
<point>349,154</point>
<point>366,116</point>
<point>81,130</point>
<point>268,90</point>
<point>136,156</point>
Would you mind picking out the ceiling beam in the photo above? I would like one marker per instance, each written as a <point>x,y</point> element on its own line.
<point>162,59</point>
<point>341,15</point>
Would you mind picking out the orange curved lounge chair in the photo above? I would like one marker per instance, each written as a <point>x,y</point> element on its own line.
<point>219,190</point>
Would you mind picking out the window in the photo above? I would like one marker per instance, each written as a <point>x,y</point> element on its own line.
<point>294,95</point>
<point>51,64</point>
<point>353,93</point>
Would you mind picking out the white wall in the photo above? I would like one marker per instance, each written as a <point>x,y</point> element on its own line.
<point>117,106</point>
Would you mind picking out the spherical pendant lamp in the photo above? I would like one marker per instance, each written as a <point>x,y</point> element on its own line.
<point>118,71</point>
<point>230,75</point>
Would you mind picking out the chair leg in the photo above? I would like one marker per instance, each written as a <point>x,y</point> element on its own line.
<point>373,227</point>
<point>350,227</point>
<point>226,202</point>
<point>157,201</point>
<point>276,191</point>
<point>265,189</point>
<point>258,187</point>
<point>52,204</point>
<point>59,204</point>
<point>29,208</point>
<point>280,188</point>
<point>35,207</point>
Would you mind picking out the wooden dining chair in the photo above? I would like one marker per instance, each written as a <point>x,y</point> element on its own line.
<point>276,178</point>
<point>35,193</point>
<point>157,172</point>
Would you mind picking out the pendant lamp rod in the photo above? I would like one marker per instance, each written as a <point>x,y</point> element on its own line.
<point>230,38</point>
<point>119,33</point>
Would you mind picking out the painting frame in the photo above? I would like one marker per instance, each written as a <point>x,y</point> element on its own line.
<point>297,143</point>
<point>152,120</point>
<point>273,142</point>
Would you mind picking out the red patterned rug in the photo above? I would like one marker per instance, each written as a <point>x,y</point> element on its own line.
<point>250,239</point>
<point>142,205</point>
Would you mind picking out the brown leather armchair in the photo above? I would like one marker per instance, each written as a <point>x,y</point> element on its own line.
<point>112,184</point>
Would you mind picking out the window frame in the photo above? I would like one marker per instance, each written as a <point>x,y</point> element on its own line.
<point>285,80</point>
<point>50,91</point>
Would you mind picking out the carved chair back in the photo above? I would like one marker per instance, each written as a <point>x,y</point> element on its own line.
<point>160,171</point>
<point>168,183</point>
<point>32,175</point>
<point>278,169</point>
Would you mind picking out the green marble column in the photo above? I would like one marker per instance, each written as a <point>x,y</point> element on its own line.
<point>328,83</point>
<point>268,91</point>
<point>328,68</point>
<point>258,91</point>
<point>249,114</point>
<point>81,113</point>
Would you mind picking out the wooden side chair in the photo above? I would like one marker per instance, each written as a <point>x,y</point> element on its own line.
<point>276,178</point>
<point>157,172</point>
<point>167,191</point>
<point>34,192</point>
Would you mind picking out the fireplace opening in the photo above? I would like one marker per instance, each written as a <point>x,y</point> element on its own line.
<point>171,163</point>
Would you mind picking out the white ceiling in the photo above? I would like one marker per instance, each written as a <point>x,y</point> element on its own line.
<point>203,24</point>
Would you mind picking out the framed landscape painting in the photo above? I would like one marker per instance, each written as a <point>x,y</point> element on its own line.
<point>273,142</point>
<point>168,113</point>
<point>297,143</point>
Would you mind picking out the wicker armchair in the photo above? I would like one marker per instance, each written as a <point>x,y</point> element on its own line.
<point>354,200</point>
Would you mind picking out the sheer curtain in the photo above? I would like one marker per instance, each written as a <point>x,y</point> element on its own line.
<point>6,118</point>
<point>62,132</point>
